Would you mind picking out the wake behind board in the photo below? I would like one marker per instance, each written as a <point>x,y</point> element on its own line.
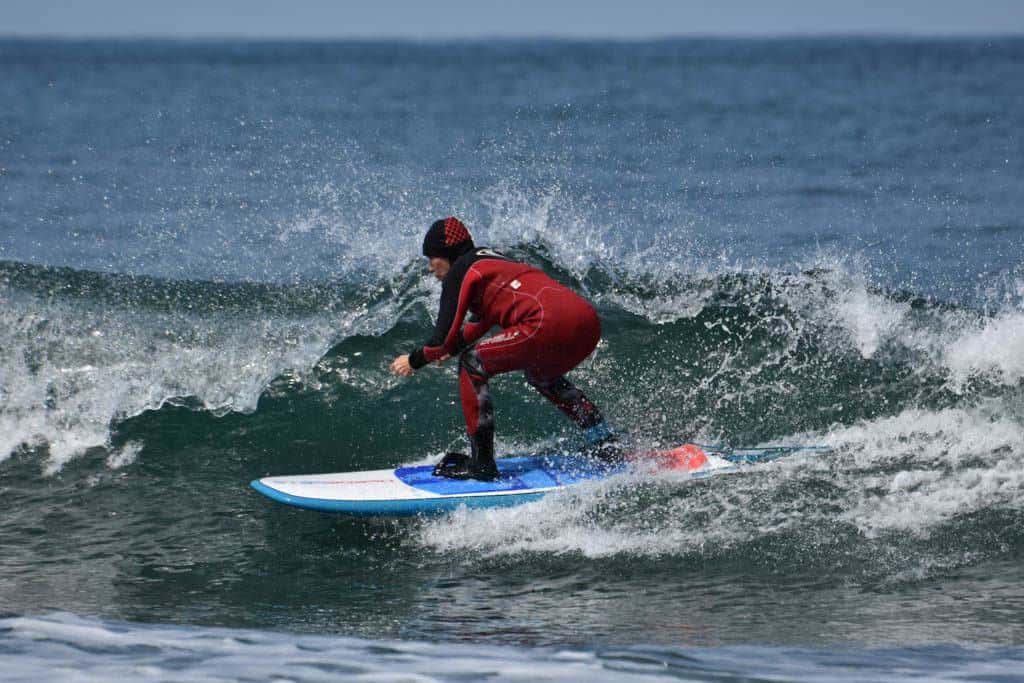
<point>416,491</point>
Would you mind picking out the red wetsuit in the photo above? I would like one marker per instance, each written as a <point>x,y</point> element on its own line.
<point>547,330</point>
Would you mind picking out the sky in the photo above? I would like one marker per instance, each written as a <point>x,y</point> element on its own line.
<point>426,19</point>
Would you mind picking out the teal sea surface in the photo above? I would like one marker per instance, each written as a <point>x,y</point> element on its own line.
<point>210,252</point>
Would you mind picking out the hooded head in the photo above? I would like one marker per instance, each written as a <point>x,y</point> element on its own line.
<point>447,238</point>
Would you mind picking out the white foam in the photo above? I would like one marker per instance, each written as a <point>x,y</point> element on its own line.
<point>125,455</point>
<point>989,346</point>
<point>950,462</point>
<point>73,368</point>
<point>870,318</point>
<point>513,217</point>
<point>913,472</point>
<point>548,220</point>
<point>962,343</point>
<point>593,519</point>
<point>946,436</point>
<point>920,501</point>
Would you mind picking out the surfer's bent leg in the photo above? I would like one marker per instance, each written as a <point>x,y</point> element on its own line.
<point>581,410</point>
<point>569,399</point>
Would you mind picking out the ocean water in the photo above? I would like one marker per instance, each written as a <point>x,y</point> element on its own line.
<point>209,253</point>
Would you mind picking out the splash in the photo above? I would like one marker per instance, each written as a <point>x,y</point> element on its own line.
<point>989,347</point>
<point>722,342</point>
<point>911,475</point>
<point>918,470</point>
<point>79,364</point>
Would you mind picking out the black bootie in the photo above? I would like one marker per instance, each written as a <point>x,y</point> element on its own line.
<point>478,466</point>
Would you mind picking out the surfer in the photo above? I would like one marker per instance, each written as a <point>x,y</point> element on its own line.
<point>547,330</point>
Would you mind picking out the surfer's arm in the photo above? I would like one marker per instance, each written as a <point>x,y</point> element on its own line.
<point>447,339</point>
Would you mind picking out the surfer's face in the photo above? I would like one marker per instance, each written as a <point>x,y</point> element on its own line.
<point>439,266</point>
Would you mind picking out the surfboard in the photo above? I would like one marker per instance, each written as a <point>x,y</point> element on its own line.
<point>407,491</point>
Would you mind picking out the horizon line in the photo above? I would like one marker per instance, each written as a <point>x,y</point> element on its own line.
<point>516,37</point>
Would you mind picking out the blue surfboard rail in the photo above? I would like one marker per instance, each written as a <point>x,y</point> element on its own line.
<point>397,508</point>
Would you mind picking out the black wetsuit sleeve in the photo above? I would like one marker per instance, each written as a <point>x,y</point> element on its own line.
<point>450,289</point>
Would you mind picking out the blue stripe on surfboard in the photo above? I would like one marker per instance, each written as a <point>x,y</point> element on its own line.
<point>516,474</point>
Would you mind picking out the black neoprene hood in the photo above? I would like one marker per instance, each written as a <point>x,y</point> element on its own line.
<point>447,238</point>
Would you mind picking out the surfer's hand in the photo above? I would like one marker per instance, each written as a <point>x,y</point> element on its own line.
<point>400,366</point>
<point>440,361</point>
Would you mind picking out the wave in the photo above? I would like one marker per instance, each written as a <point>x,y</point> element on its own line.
<point>740,356</point>
<point>885,503</point>
<point>925,429</point>
<point>88,350</point>
<point>99,650</point>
